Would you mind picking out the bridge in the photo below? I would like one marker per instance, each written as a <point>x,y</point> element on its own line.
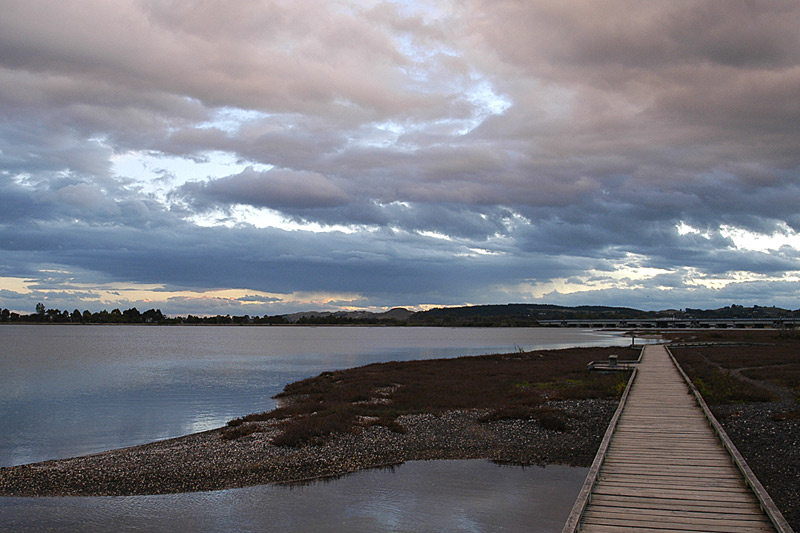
<point>677,323</point>
<point>666,464</point>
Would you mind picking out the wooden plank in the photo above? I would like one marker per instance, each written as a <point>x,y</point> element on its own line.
<point>682,434</point>
<point>720,526</point>
<point>671,436</point>
<point>677,514</point>
<point>688,471</point>
<point>678,494</point>
<point>643,481</point>
<point>665,456</point>
<point>632,446</point>
<point>704,462</point>
<point>665,482</point>
<point>695,518</point>
<point>597,528</point>
<point>668,436</point>
<point>676,479</point>
<point>634,502</point>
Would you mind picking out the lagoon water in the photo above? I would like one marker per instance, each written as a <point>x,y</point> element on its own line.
<point>74,390</point>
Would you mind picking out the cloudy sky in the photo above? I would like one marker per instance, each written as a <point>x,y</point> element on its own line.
<point>269,156</point>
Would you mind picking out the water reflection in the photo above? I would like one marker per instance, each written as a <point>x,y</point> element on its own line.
<point>417,496</point>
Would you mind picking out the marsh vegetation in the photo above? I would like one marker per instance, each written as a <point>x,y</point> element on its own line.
<point>508,386</point>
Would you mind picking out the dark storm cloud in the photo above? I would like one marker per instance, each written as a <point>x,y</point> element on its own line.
<point>276,188</point>
<point>271,260</point>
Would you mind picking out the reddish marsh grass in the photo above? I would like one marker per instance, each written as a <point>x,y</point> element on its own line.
<point>771,357</point>
<point>507,386</point>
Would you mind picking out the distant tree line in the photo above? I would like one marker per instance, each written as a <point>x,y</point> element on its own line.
<point>340,320</point>
<point>57,316</point>
<point>228,319</point>
<point>129,316</point>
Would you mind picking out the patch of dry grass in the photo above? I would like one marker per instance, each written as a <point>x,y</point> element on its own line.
<point>507,386</point>
<point>770,356</point>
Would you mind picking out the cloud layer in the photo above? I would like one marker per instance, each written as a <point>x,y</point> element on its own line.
<point>362,154</point>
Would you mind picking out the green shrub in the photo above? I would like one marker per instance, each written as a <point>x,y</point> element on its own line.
<point>553,422</point>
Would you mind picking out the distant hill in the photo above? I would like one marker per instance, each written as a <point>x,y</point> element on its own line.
<point>516,314</point>
<point>398,313</point>
<point>395,315</point>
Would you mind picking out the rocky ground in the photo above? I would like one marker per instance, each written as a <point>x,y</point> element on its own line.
<point>767,434</point>
<point>206,461</point>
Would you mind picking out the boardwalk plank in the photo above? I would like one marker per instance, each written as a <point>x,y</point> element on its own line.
<point>678,494</point>
<point>676,471</point>
<point>721,527</point>
<point>643,481</point>
<point>667,503</point>
<point>674,518</point>
<point>698,461</point>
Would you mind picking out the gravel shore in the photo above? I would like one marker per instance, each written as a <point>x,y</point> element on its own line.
<point>771,446</point>
<point>206,461</point>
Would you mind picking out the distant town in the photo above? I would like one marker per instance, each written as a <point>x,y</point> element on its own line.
<point>510,315</point>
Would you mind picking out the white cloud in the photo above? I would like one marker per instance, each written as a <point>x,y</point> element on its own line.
<point>761,242</point>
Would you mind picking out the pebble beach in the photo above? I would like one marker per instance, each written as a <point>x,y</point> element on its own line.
<point>206,461</point>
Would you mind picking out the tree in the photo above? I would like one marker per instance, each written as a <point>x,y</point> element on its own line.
<point>132,315</point>
<point>40,310</point>
<point>152,316</point>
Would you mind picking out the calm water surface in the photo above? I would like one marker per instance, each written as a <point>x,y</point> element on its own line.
<point>72,390</point>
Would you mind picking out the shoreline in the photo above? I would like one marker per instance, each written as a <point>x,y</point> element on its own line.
<point>206,461</point>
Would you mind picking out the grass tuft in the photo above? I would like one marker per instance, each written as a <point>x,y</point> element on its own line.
<point>238,431</point>
<point>791,416</point>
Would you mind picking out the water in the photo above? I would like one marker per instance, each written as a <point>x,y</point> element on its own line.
<point>416,496</point>
<point>67,390</point>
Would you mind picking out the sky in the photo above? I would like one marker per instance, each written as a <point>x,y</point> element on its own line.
<point>266,156</point>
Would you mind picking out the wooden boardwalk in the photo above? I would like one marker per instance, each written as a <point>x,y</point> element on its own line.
<point>662,466</point>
